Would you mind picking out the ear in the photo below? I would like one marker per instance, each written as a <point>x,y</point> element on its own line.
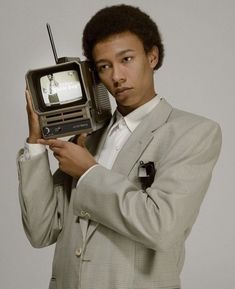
<point>153,56</point>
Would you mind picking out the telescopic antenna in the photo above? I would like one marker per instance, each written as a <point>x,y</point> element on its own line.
<point>52,43</point>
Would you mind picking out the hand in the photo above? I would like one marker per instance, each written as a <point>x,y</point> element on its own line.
<point>33,120</point>
<point>73,159</point>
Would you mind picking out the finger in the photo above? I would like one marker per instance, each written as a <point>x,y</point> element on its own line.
<point>52,142</point>
<point>81,140</point>
<point>57,156</point>
<point>44,142</point>
<point>56,150</point>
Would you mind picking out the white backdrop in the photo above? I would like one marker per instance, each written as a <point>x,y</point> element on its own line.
<point>197,75</point>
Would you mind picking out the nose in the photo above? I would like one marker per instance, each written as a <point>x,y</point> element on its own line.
<point>118,76</point>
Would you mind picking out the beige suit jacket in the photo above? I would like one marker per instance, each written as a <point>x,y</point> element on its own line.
<point>109,233</point>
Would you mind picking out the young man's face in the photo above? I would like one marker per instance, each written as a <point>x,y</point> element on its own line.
<point>126,70</point>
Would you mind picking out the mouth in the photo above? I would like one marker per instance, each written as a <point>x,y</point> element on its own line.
<point>121,90</point>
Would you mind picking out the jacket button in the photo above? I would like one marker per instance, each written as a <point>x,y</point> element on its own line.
<point>78,252</point>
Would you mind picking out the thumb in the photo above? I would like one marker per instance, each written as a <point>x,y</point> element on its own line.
<point>81,140</point>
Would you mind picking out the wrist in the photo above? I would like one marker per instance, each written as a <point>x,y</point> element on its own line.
<point>32,140</point>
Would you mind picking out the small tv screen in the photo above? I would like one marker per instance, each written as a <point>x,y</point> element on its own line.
<point>60,88</point>
<point>57,87</point>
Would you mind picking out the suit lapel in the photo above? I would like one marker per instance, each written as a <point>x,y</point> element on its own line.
<point>141,138</point>
<point>135,145</point>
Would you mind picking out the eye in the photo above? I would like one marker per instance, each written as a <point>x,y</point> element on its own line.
<point>127,59</point>
<point>102,68</point>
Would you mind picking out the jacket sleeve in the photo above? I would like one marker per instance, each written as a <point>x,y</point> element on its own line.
<point>42,200</point>
<point>164,213</point>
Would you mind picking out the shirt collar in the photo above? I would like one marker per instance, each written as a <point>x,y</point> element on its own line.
<point>133,119</point>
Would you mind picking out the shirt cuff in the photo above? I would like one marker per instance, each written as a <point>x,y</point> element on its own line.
<point>32,150</point>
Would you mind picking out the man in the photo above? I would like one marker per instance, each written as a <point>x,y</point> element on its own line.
<point>124,199</point>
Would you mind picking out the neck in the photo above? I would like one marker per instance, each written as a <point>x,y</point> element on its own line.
<point>125,110</point>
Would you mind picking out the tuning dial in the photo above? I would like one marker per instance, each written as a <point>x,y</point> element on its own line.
<point>46,130</point>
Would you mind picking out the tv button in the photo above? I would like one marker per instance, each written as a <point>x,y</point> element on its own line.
<point>46,130</point>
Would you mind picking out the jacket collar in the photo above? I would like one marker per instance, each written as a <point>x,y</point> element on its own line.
<point>141,137</point>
